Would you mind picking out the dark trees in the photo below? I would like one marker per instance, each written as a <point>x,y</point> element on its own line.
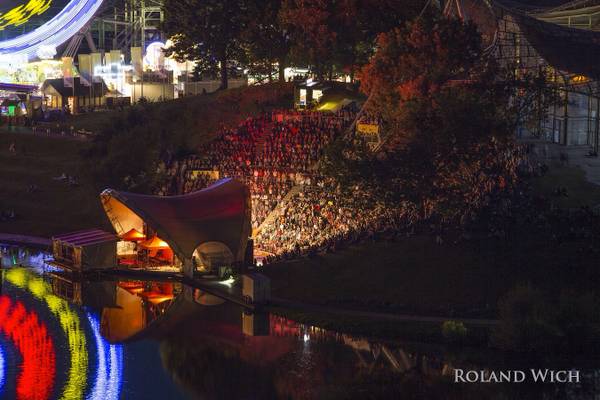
<point>266,39</point>
<point>448,120</point>
<point>207,31</point>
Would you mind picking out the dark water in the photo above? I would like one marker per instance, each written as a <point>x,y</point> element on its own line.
<point>123,339</point>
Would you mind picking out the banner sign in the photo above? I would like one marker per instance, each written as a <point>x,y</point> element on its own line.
<point>367,129</point>
<point>204,172</point>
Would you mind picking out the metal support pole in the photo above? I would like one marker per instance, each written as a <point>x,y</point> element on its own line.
<point>566,118</point>
<point>597,126</point>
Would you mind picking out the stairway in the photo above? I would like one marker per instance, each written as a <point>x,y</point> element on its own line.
<point>260,141</point>
<point>275,212</point>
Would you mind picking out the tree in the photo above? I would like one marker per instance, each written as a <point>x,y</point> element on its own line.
<point>416,61</point>
<point>357,23</point>
<point>310,29</point>
<point>266,38</point>
<point>447,117</point>
<point>128,151</point>
<point>206,31</point>
<point>525,320</point>
<point>338,35</point>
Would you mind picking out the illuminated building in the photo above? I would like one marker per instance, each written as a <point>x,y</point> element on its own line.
<point>207,229</point>
<point>56,95</point>
<point>114,43</point>
<point>561,41</point>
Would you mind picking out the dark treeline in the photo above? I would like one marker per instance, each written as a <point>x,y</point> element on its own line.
<point>266,36</point>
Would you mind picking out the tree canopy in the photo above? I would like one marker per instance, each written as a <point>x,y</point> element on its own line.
<point>448,118</point>
<point>206,31</point>
<point>329,37</point>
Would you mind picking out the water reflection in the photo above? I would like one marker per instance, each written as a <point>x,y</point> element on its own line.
<point>70,323</point>
<point>108,380</point>
<point>34,259</point>
<point>36,348</point>
<point>68,338</point>
<point>137,305</point>
<point>2,366</point>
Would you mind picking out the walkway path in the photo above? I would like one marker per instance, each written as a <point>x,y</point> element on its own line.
<point>572,155</point>
<point>24,240</point>
<point>486,323</point>
<point>233,294</point>
<point>41,131</point>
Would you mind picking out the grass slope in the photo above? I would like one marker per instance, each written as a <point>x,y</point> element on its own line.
<point>418,276</point>
<point>414,275</point>
<point>55,207</point>
<point>580,191</point>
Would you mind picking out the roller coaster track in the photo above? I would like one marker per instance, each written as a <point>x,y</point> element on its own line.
<point>74,17</point>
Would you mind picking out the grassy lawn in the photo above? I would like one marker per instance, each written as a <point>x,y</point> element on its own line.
<point>206,112</point>
<point>416,275</point>
<point>90,121</point>
<point>580,191</point>
<point>55,207</point>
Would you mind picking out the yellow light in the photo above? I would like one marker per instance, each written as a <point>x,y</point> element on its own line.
<point>21,14</point>
<point>579,79</point>
<point>69,322</point>
<point>228,282</point>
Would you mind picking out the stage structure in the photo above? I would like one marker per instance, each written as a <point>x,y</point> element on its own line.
<point>206,230</point>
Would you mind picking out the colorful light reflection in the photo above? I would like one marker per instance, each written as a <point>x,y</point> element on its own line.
<point>110,366</point>
<point>2,368</point>
<point>69,322</point>
<point>30,337</point>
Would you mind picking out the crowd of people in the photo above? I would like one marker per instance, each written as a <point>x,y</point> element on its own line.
<point>270,153</point>
<point>322,218</point>
<point>277,151</point>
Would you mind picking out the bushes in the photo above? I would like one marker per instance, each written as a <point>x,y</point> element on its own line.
<point>524,321</point>
<point>454,331</point>
<point>533,321</point>
<point>127,152</point>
